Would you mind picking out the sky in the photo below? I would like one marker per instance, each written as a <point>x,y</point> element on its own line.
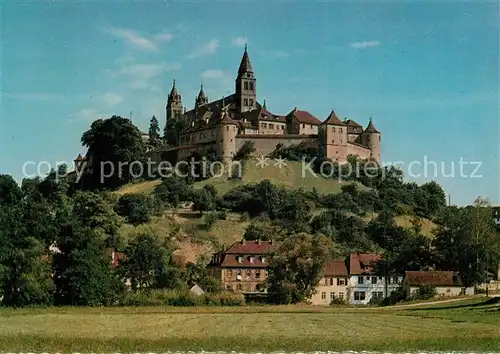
<point>427,73</point>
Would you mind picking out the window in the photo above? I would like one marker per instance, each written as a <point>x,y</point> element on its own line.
<point>239,287</point>
<point>227,127</point>
<point>340,130</point>
<point>229,287</point>
<point>333,129</point>
<point>326,281</point>
<point>360,280</point>
<point>311,126</point>
<point>246,85</point>
<point>341,296</point>
<point>303,125</point>
<point>245,102</point>
<point>359,295</point>
<point>251,102</point>
<point>230,273</point>
<point>239,259</point>
<point>248,74</point>
<point>238,274</point>
<point>377,295</point>
<point>250,85</point>
<point>341,281</point>
<point>323,295</point>
<point>264,125</point>
<point>282,127</point>
<point>332,296</point>
<point>271,126</point>
<point>257,274</point>
<point>333,141</point>
<point>374,280</point>
<point>267,273</point>
<point>249,273</point>
<point>331,281</point>
<point>395,280</point>
<point>252,259</point>
<point>263,259</point>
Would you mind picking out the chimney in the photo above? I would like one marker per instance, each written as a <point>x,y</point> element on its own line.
<point>259,242</point>
<point>243,242</point>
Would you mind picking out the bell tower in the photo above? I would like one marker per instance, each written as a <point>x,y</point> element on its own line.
<point>174,104</point>
<point>246,88</point>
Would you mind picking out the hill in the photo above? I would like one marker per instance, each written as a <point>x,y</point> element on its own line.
<point>289,176</point>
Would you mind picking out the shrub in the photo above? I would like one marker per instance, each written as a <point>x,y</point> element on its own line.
<point>425,292</point>
<point>209,220</point>
<point>180,298</point>
<point>337,301</point>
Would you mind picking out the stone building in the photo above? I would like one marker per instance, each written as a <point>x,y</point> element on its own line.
<point>224,125</point>
<point>243,266</point>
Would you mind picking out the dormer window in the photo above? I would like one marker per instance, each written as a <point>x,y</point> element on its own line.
<point>239,259</point>
<point>252,259</point>
<point>263,259</point>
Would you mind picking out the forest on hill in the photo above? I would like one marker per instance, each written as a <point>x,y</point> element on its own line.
<point>83,221</point>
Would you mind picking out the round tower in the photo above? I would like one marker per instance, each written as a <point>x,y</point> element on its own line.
<point>371,138</point>
<point>226,137</point>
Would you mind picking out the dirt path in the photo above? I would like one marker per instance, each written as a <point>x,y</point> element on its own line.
<point>431,302</point>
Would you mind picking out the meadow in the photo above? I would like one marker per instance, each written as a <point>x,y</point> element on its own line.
<point>463,325</point>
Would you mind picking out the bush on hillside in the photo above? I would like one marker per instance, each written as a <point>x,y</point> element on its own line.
<point>135,208</point>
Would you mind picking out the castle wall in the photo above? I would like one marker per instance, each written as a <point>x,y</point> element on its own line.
<point>308,129</point>
<point>362,152</point>
<point>267,144</point>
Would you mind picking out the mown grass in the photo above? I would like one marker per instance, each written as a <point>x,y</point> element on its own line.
<point>470,325</point>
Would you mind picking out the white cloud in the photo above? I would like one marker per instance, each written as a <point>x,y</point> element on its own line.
<point>111,99</point>
<point>38,96</point>
<point>207,49</point>
<point>240,41</point>
<point>140,76</point>
<point>164,37</point>
<point>213,74</point>
<point>271,54</point>
<point>87,114</point>
<point>364,44</point>
<point>134,39</point>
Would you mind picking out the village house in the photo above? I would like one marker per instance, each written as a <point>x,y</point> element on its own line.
<point>333,284</point>
<point>365,283</point>
<point>243,267</point>
<point>445,283</point>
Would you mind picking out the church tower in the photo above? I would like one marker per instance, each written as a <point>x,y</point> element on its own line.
<point>174,104</point>
<point>201,99</point>
<point>246,89</point>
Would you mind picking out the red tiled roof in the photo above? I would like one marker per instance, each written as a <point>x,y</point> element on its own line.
<point>333,119</point>
<point>226,119</point>
<point>335,267</point>
<point>245,250</point>
<point>362,263</point>
<point>437,278</point>
<point>118,256</point>
<point>268,116</point>
<point>305,117</point>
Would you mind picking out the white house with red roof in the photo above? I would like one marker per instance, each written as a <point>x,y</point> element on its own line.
<point>365,283</point>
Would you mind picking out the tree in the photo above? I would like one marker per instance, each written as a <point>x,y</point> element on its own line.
<point>205,199</point>
<point>172,131</point>
<point>10,193</point>
<point>154,132</point>
<point>113,145</point>
<point>173,190</point>
<point>466,242</point>
<point>244,151</point>
<point>82,273</point>
<point>135,208</point>
<point>147,264</point>
<point>296,266</point>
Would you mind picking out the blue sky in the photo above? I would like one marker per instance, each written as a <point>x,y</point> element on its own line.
<point>426,72</point>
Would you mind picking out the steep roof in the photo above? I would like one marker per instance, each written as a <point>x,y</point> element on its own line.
<point>245,65</point>
<point>352,123</point>
<point>79,158</point>
<point>304,117</point>
<point>436,278</point>
<point>371,128</point>
<point>335,267</point>
<point>362,263</point>
<point>226,119</point>
<point>332,119</point>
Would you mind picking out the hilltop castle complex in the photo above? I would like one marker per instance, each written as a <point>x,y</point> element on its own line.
<point>224,125</point>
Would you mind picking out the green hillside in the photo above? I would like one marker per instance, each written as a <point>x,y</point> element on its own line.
<point>289,176</point>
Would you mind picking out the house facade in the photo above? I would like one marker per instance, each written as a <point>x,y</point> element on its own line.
<point>365,284</point>
<point>243,267</point>
<point>334,284</point>
<point>446,283</point>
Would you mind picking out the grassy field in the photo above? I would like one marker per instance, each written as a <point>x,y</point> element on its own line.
<point>466,325</point>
